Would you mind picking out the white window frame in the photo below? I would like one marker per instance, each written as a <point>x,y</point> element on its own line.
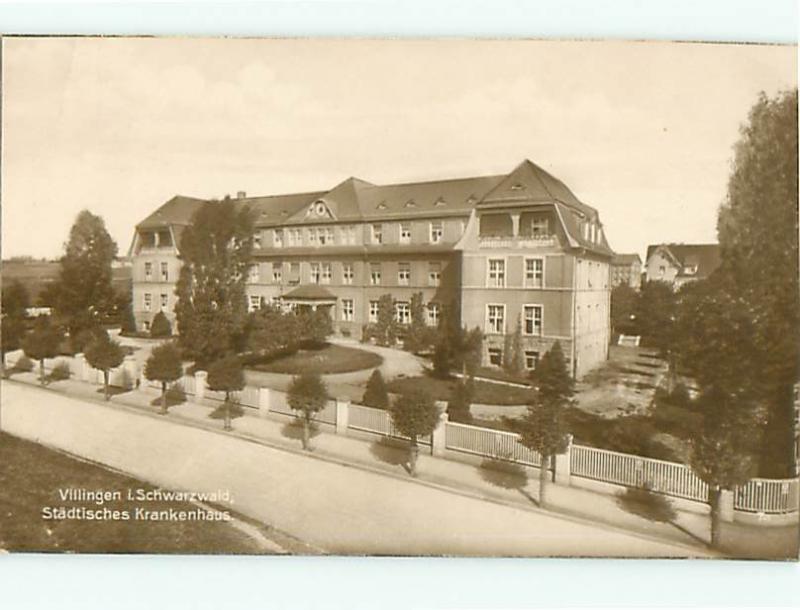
<point>493,282</point>
<point>537,225</point>
<point>257,239</point>
<point>277,273</point>
<point>533,307</point>
<point>254,274</point>
<point>347,273</point>
<point>147,300</point>
<point>404,274</point>
<point>436,231</point>
<point>277,238</point>
<point>373,311</point>
<point>488,322</point>
<point>376,233</point>
<point>405,235</point>
<point>314,273</point>
<point>348,310</point>
<point>311,232</point>
<point>499,352</point>
<point>529,354</point>
<point>254,302</point>
<point>327,274</point>
<point>433,312</point>
<point>164,271</point>
<point>402,312</point>
<point>375,277</point>
<point>434,273</point>
<point>148,271</point>
<point>163,301</point>
<point>531,282</point>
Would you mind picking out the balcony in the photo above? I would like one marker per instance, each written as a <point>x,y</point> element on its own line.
<point>526,242</point>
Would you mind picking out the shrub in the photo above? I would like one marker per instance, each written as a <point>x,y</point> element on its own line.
<point>23,365</point>
<point>160,326</point>
<point>376,394</point>
<point>647,504</point>
<point>60,372</point>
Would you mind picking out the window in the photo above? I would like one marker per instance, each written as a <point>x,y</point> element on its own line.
<point>347,310</point>
<point>326,273</point>
<point>146,325</point>
<point>347,273</point>
<point>254,274</point>
<point>315,273</point>
<point>377,234</point>
<point>532,322</point>
<point>402,312</point>
<point>164,301</point>
<point>255,302</point>
<point>405,233</point>
<point>495,319</point>
<point>497,273</point>
<point>277,272</point>
<point>373,311</point>
<point>348,234</point>
<point>433,314</point>
<point>404,274</point>
<point>540,227</point>
<point>312,236</point>
<point>436,232</point>
<point>326,236</point>
<point>434,274</point>
<point>294,237</point>
<point>495,356</point>
<point>531,360</point>
<point>164,272</point>
<point>375,274</point>
<point>148,301</point>
<point>257,239</point>
<point>294,273</point>
<point>662,270</point>
<point>277,238</point>
<point>148,272</point>
<point>534,272</point>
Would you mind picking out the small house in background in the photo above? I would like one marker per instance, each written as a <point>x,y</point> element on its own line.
<point>626,269</point>
<point>678,264</point>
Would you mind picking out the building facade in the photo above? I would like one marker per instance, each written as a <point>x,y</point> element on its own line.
<point>505,251</point>
<point>626,270</point>
<point>678,264</point>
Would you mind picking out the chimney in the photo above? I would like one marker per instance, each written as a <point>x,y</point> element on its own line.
<point>241,195</point>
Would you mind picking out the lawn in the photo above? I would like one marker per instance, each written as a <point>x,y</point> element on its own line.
<point>326,359</point>
<point>486,393</point>
<point>31,478</point>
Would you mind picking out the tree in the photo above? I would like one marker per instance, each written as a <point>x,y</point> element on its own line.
<point>307,395</point>
<point>376,394</point>
<point>164,365</point>
<point>414,414</point>
<point>448,338</point>
<point>513,354</point>
<point>458,407</point>
<point>656,316</point>
<point>104,354</point>
<point>42,342</point>
<point>83,292</point>
<point>758,236</point>
<point>226,375</point>
<point>543,428</point>
<point>15,300</point>
<point>624,309</point>
<point>216,252</point>
<point>160,326</point>
<point>719,453</point>
<point>386,327</point>
<point>127,319</point>
<point>315,326</point>
<point>419,335</point>
<point>13,330</point>
<point>270,331</point>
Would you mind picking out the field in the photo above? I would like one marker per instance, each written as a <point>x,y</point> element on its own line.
<point>441,389</point>
<point>30,479</point>
<point>326,360</point>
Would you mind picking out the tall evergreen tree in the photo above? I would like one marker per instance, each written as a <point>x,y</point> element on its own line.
<point>386,328</point>
<point>543,428</point>
<point>758,236</point>
<point>375,394</point>
<point>83,292</point>
<point>216,251</point>
<point>513,353</point>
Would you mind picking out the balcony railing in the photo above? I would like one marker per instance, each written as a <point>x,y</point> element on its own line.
<point>520,241</point>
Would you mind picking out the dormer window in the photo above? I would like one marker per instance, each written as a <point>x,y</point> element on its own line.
<point>472,199</point>
<point>440,202</point>
<point>690,269</point>
<point>411,203</point>
<point>381,205</point>
<point>517,187</point>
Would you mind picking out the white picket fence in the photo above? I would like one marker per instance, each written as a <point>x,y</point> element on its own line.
<point>377,421</point>
<point>768,496</point>
<point>495,444</point>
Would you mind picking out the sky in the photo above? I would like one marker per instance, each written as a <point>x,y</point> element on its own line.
<point>642,131</point>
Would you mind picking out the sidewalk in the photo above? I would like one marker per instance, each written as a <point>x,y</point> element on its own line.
<point>509,484</point>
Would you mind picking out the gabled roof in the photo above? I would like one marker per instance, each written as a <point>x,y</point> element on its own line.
<point>626,259</point>
<point>705,257</point>
<point>310,292</point>
<point>177,210</point>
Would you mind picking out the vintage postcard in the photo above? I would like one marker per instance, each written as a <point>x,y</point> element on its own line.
<point>399,297</point>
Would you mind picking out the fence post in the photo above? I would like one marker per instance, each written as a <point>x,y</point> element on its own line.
<point>130,371</point>
<point>564,464</point>
<point>200,382</point>
<point>439,436</point>
<point>264,400</point>
<point>726,505</point>
<point>342,415</point>
<point>78,366</point>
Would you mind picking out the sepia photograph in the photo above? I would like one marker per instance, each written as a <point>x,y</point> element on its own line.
<point>384,297</point>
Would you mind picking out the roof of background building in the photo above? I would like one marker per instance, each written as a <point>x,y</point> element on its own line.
<point>626,259</point>
<point>706,257</point>
<point>357,200</point>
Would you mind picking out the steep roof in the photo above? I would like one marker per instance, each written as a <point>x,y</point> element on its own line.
<point>177,210</point>
<point>706,257</point>
<point>626,259</point>
<point>311,292</point>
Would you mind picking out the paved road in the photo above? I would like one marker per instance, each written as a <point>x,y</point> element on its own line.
<point>338,508</point>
